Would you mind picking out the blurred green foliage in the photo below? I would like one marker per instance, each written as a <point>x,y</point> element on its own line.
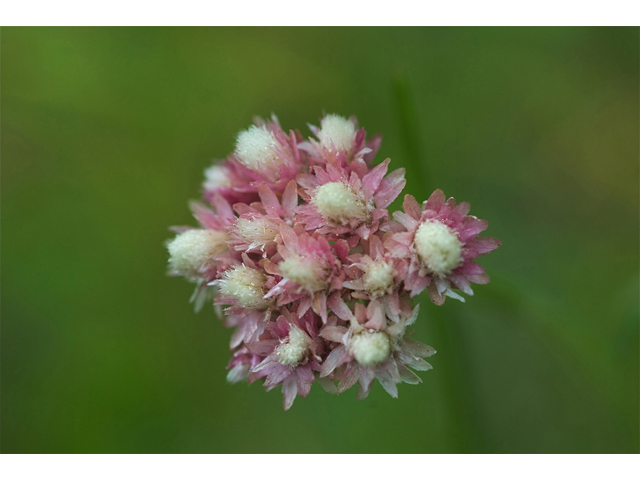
<point>105,135</point>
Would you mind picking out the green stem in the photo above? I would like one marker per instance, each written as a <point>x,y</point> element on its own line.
<point>410,133</point>
<point>447,338</point>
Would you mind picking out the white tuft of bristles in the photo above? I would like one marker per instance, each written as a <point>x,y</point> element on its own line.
<point>257,149</point>
<point>295,350</point>
<point>378,278</point>
<point>338,203</point>
<point>305,272</point>
<point>246,285</point>
<point>336,133</point>
<point>216,176</point>
<point>194,252</point>
<point>438,247</point>
<point>257,232</point>
<point>370,348</point>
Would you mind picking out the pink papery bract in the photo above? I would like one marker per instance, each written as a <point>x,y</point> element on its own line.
<point>437,211</point>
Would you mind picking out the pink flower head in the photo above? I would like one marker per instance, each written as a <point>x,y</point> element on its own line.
<point>440,241</point>
<point>342,203</point>
<point>317,282</point>
<point>256,230</point>
<point>196,253</point>
<point>340,142</point>
<point>309,268</point>
<point>365,354</point>
<point>264,153</point>
<point>291,349</point>
<point>243,286</point>
<point>376,276</point>
<point>199,253</point>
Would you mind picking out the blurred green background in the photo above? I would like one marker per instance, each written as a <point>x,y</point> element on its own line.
<point>105,135</point>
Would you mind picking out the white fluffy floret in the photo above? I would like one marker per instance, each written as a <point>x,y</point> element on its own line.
<point>216,176</point>
<point>336,132</point>
<point>193,252</point>
<point>338,202</point>
<point>257,149</point>
<point>438,247</point>
<point>370,348</point>
<point>246,285</point>
<point>378,278</point>
<point>305,272</point>
<point>296,349</point>
<point>256,231</point>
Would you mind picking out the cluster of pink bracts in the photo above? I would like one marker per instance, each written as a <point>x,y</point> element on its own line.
<point>317,279</point>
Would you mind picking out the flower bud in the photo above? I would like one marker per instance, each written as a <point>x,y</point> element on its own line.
<point>216,176</point>
<point>257,149</point>
<point>337,202</point>
<point>257,232</point>
<point>296,349</point>
<point>336,133</point>
<point>246,285</point>
<point>370,348</point>
<point>193,252</point>
<point>438,247</point>
<point>378,278</point>
<point>305,272</point>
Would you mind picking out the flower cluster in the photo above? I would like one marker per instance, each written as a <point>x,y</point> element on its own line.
<point>297,244</point>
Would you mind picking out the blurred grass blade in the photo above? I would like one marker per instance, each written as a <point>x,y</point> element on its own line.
<point>410,134</point>
<point>462,407</point>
